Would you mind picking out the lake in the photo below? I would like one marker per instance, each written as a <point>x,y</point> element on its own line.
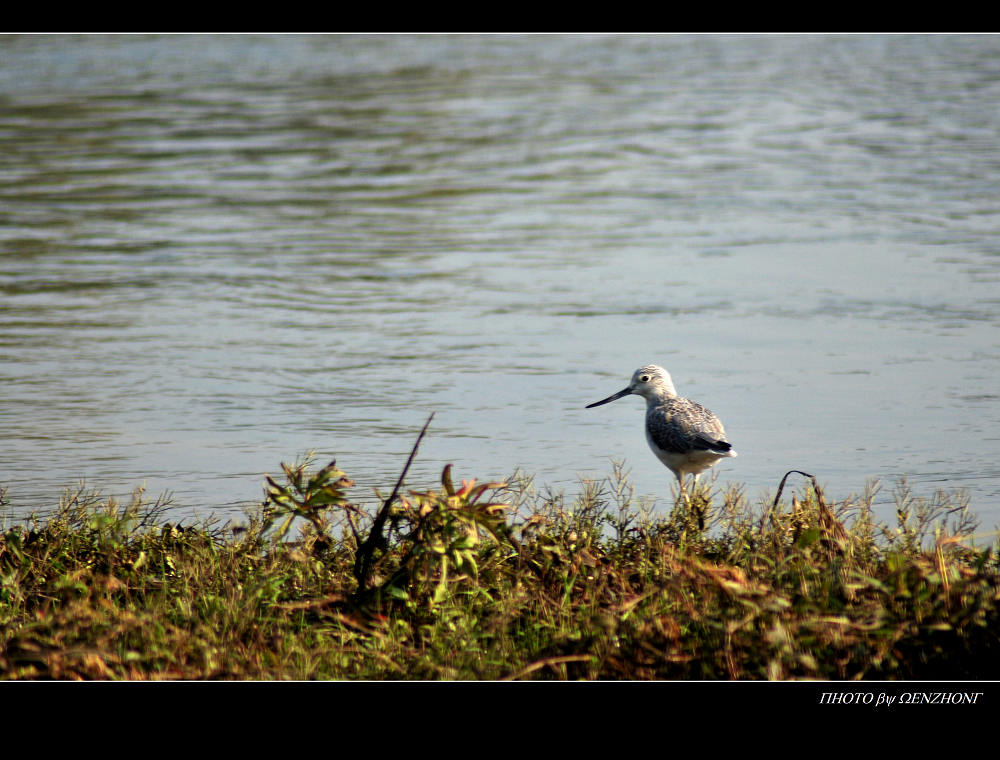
<point>220,252</point>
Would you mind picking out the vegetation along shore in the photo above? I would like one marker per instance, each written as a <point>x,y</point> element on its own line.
<point>495,581</point>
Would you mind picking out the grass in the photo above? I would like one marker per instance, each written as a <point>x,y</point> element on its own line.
<point>501,581</point>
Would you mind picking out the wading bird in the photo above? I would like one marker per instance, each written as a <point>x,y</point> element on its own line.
<point>684,435</point>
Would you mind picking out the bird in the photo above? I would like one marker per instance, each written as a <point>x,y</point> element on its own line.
<point>683,434</point>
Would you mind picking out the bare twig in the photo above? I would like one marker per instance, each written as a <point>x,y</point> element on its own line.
<point>828,522</point>
<point>364,562</point>
<point>781,486</point>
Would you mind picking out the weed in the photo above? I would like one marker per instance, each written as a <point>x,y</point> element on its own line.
<point>500,580</point>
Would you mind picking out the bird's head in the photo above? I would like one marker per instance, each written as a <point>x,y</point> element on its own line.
<point>650,381</point>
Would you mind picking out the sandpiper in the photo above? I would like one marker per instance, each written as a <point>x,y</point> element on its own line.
<point>684,435</point>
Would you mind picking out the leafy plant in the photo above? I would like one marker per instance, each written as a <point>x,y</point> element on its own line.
<point>304,495</point>
<point>444,532</point>
<point>500,581</point>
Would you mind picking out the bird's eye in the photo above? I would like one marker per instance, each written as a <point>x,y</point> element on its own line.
<point>644,378</point>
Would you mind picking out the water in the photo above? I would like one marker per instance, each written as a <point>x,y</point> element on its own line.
<point>218,253</point>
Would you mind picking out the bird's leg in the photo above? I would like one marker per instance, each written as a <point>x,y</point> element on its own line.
<point>697,512</point>
<point>694,484</point>
<point>702,504</point>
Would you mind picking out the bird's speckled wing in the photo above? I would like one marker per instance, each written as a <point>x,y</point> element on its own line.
<point>679,426</point>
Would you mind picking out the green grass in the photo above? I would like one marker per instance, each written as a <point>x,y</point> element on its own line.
<point>501,581</point>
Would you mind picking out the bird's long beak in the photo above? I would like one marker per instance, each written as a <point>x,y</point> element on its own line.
<point>623,392</point>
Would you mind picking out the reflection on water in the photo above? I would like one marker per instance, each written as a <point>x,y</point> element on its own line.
<point>217,253</point>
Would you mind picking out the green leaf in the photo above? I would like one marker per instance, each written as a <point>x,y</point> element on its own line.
<point>446,480</point>
<point>398,593</point>
<point>808,537</point>
<point>441,591</point>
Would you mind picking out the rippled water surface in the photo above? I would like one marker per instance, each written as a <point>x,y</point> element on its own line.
<point>217,253</point>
